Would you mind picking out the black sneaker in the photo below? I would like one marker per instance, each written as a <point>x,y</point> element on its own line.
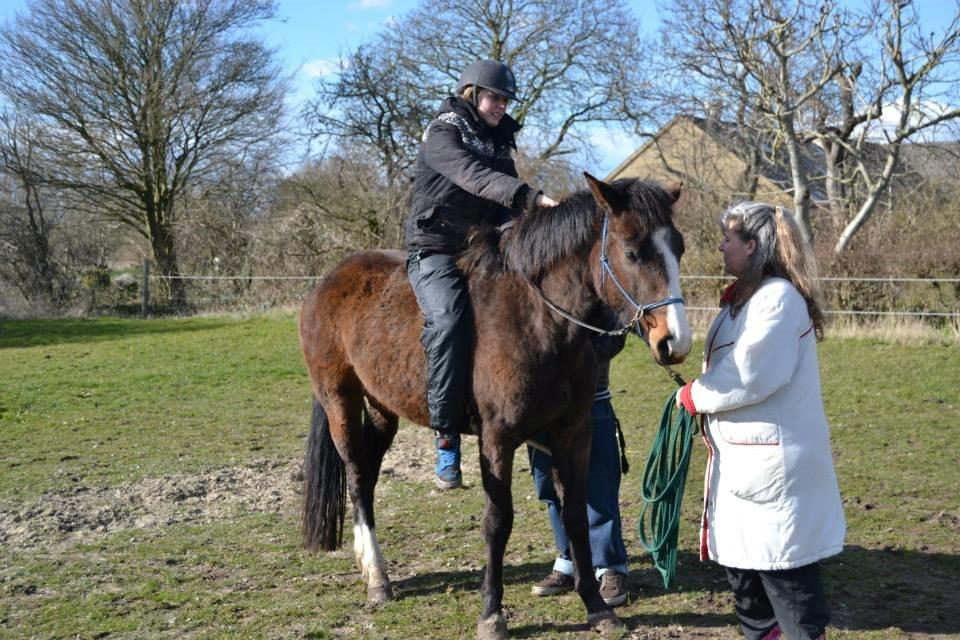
<point>553,584</point>
<point>613,588</point>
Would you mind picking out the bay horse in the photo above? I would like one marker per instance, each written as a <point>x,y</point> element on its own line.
<point>535,293</point>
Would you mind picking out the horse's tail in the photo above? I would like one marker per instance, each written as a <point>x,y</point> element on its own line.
<point>324,487</point>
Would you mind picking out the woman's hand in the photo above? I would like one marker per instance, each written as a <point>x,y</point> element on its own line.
<point>684,399</point>
<point>544,201</point>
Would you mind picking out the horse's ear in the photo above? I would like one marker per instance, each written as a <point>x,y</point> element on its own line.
<point>605,195</point>
<point>673,188</point>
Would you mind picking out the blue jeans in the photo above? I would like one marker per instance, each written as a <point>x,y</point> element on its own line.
<point>603,496</point>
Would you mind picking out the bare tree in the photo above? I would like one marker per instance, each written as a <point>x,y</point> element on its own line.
<point>147,97</point>
<point>338,203</point>
<point>915,79</point>
<point>767,59</point>
<point>810,72</point>
<point>26,254</point>
<point>577,63</point>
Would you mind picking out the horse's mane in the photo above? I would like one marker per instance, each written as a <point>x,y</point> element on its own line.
<point>538,241</point>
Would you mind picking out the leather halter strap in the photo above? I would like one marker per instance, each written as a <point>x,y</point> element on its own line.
<point>641,309</point>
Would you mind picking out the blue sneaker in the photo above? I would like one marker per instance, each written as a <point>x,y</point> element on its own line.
<point>448,462</point>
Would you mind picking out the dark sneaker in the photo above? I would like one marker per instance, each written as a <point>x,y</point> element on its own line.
<point>613,588</point>
<point>448,474</point>
<point>553,584</point>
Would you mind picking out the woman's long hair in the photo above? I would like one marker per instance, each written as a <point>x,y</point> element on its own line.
<point>781,251</point>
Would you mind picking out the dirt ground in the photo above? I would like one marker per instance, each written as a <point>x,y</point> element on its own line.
<point>57,520</point>
<point>83,513</point>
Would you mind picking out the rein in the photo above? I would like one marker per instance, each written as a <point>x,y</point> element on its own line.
<point>641,309</point>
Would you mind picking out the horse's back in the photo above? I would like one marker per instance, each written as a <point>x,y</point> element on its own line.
<point>363,271</point>
<point>368,263</point>
<point>361,324</point>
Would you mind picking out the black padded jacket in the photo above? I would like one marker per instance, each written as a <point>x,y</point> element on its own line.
<point>465,176</point>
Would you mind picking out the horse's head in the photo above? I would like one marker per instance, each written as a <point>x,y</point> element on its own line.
<point>637,258</point>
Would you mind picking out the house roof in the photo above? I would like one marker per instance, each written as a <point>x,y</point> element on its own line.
<point>735,140</point>
<point>930,161</point>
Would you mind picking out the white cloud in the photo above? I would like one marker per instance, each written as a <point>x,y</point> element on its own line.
<point>922,111</point>
<point>611,146</point>
<point>321,67</point>
<point>364,5</point>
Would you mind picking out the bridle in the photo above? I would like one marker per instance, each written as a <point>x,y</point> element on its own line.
<point>605,269</point>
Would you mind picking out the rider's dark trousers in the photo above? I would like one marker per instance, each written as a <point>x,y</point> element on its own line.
<point>441,291</point>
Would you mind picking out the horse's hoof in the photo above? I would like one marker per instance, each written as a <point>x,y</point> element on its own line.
<point>492,628</point>
<point>607,624</point>
<point>379,595</point>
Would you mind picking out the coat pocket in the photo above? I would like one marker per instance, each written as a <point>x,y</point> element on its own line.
<point>761,432</point>
<point>751,460</point>
<point>430,220</point>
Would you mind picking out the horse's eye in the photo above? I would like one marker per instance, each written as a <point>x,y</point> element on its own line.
<point>631,256</point>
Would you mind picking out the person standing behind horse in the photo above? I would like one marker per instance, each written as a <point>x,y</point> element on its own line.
<point>603,494</point>
<point>465,176</point>
<point>772,506</point>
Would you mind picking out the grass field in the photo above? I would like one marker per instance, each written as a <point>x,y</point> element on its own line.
<point>149,489</point>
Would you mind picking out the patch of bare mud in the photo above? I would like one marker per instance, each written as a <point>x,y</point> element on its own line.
<point>84,513</point>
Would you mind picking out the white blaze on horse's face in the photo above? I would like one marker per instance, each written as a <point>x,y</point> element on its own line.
<point>682,340</point>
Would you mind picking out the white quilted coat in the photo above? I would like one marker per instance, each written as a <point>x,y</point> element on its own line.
<point>771,497</point>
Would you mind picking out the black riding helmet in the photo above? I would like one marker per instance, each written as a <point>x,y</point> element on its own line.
<point>489,74</point>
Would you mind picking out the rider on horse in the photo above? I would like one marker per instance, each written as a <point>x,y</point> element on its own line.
<point>465,176</point>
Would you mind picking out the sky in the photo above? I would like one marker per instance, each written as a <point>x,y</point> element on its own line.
<point>309,35</point>
<point>311,46</point>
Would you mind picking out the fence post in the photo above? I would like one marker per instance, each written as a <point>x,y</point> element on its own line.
<point>145,291</point>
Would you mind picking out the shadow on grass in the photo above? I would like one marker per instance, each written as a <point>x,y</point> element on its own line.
<point>38,333</point>
<point>868,589</point>
<point>882,588</point>
<point>643,583</point>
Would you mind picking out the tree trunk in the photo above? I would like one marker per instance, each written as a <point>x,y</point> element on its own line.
<point>833,155</point>
<point>163,244</point>
<point>870,204</point>
<point>42,266</point>
<point>801,191</point>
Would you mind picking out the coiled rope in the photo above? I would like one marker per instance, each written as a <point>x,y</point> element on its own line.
<point>663,483</point>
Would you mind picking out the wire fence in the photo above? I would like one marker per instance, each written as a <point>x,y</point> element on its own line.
<point>930,299</point>
<point>858,296</point>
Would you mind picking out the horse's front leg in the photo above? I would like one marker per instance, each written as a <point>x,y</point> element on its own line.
<point>571,455</point>
<point>496,467</point>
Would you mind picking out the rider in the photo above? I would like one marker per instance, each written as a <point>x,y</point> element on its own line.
<point>465,176</point>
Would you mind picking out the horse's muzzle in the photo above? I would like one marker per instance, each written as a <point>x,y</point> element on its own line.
<point>666,353</point>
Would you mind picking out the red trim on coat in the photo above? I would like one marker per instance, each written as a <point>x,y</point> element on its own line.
<point>686,398</point>
<point>704,546</point>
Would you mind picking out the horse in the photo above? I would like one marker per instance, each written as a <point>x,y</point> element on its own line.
<point>537,290</point>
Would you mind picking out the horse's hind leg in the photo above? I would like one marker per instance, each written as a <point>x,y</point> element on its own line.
<point>378,430</point>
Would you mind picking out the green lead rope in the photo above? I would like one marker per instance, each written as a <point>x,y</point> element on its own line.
<point>663,482</point>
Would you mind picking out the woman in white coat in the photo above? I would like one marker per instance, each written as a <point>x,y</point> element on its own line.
<point>772,507</point>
